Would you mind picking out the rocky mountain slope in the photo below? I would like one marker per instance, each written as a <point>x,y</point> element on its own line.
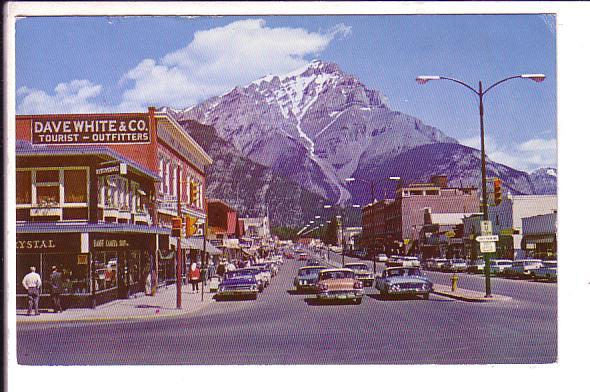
<point>317,126</point>
<point>250,187</point>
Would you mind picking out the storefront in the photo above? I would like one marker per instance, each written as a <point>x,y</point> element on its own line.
<point>99,262</point>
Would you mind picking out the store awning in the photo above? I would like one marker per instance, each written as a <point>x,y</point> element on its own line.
<point>197,244</point>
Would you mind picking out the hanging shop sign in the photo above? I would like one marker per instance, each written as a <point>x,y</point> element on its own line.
<point>112,168</point>
<point>96,129</point>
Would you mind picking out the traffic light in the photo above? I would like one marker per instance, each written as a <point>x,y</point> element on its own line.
<point>193,193</point>
<point>176,227</point>
<point>497,191</point>
<point>190,225</point>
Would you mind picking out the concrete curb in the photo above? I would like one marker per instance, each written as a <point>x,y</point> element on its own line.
<point>103,319</point>
<point>467,295</point>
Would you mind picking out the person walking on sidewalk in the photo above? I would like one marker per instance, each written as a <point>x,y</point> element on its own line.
<point>56,287</point>
<point>32,283</point>
<point>221,269</point>
<point>195,276</point>
<point>210,270</point>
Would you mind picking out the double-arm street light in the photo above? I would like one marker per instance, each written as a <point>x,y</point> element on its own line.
<point>480,92</point>
<point>341,218</point>
<point>371,183</point>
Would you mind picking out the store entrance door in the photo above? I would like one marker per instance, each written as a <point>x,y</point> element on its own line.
<point>122,276</point>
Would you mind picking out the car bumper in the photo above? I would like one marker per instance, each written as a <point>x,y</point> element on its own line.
<point>349,294</point>
<point>235,293</point>
<point>367,281</point>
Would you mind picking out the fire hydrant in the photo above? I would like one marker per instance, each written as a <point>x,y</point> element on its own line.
<point>454,280</point>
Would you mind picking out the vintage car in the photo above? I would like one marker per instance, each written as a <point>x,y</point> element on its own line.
<point>454,265</point>
<point>263,270</point>
<point>312,263</point>
<point>402,261</point>
<point>522,267</point>
<point>238,283</point>
<point>498,266</point>
<point>340,284</point>
<point>362,273</point>
<point>260,279</point>
<point>307,278</point>
<point>547,271</point>
<point>403,280</point>
<point>476,266</point>
<point>381,257</point>
<point>303,257</point>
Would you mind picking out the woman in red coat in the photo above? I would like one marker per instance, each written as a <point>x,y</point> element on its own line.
<point>195,276</point>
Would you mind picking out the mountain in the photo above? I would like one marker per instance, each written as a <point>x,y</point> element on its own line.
<point>250,187</point>
<point>545,180</point>
<point>315,125</point>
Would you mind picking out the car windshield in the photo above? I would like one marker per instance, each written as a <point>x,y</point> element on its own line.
<point>359,267</point>
<point>238,275</point>
<point>404,272</point>
<point>309,271</point>
<point>336,275</point>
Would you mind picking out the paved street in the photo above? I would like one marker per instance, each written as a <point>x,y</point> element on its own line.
<point>285,328</point>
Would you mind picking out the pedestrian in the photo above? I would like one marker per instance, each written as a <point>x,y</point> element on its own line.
<point>210,270</point>
<point>195,276</point>
<point>32,283</point>
<point>231,267</point>
<point>56,288</point>
<point>221,269</point>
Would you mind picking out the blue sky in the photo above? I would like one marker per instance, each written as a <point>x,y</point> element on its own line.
<point>92,64</point>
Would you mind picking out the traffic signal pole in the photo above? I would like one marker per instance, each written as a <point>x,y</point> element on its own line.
<point>179,246</point>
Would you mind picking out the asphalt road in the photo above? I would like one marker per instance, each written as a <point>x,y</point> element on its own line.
<point>282,327</point>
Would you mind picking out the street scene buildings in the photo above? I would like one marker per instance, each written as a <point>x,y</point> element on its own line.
<point>261,190</point>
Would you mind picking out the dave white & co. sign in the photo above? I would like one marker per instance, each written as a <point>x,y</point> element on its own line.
<point>103,129</point>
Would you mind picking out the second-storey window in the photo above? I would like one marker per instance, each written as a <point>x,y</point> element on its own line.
<point>47,185</point>
<point>23,187</point>
<point>75,186</point>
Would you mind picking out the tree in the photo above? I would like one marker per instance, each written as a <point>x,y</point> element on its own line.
<point>285,233</point>
<point>330,234</point>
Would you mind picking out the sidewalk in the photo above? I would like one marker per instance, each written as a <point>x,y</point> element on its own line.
<point>467,295</point>
<point>163,304</point>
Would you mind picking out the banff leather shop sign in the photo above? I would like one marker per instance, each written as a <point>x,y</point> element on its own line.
<point>96,129</point>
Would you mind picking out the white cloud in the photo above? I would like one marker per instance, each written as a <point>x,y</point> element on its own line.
<point>219,59</point>
<point>71,97</point>
<point>527,156</point>
<point>214,62</point>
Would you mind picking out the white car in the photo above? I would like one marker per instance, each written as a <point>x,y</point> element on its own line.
<point>548,270</point>
<point>525,266</point>
<point>498,266</point>
<point>381,257</point>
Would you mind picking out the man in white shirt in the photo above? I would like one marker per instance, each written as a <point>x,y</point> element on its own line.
<point>32,283</point>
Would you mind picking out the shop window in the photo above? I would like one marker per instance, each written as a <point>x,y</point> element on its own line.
<point>23,265</point>
<point>105,270</point>
<point>134,267</point>
<point>23,187</point>
<point>74,271</point>
<point>75,186</point>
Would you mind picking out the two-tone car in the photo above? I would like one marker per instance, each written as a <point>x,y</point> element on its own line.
<point>238,283</point>
<point>307,278</point>
<point>395,281</point>
<point>339,284</point>
<point>362,273</point>
<point>260,279</point>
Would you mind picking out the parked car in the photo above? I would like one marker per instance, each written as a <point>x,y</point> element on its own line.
<point>238,283</point>
<point>307,278</point>
<point>339,283</point>
<point>454,265</point>
<point>260,279</point>
<point>381,257</point>
<point>498,266</point>
<point>476,266</point>
<point>403,280</point>
<point>362,273</point>
<point>523,268</point>
<point>402,261</point>
<point>547,271</point>
<point>437,264</point>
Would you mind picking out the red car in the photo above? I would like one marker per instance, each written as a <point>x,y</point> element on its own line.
<point>303,257</point>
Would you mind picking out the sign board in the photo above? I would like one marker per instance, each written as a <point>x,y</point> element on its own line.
<point>90,129</point>
<point>486,227</point>
<point>487,238</point>
<point>112,168</point>
<point>487,247</point>
<point>531,246</point>
<point>450,234</point>
<point>507,231</point>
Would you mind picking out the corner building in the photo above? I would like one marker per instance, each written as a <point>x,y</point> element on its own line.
<point>96,194</point>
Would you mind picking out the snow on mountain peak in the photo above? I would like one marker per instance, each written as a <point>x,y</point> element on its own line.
<point>551,172</point>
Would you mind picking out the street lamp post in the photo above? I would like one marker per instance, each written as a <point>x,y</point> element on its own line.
<point>480,92</point>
